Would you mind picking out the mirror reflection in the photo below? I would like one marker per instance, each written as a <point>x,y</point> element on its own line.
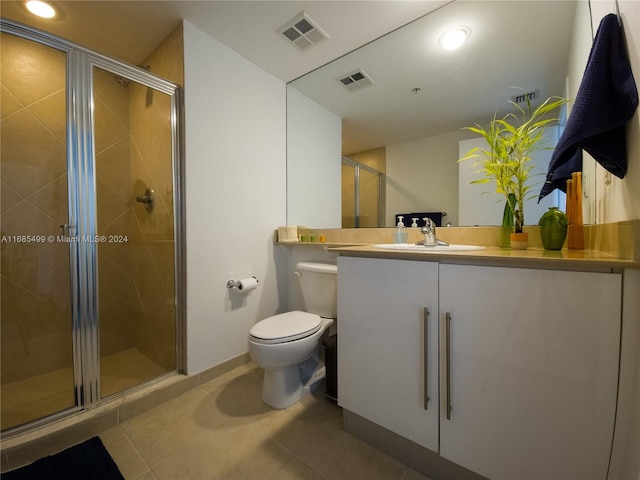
<point>395,110</point>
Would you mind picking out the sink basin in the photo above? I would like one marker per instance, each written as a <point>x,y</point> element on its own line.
<point>410,247</point>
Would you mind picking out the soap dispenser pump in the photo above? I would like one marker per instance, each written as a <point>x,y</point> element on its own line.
<point>400,235</point>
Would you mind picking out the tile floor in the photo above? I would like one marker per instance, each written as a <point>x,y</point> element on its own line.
<point>222,430</point>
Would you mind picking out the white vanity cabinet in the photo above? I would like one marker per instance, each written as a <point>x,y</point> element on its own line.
<point>526,361</point>
<point>533,371</point>
<point>382,344</point>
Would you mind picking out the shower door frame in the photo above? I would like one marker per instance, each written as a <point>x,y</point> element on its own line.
<point>82,197</point>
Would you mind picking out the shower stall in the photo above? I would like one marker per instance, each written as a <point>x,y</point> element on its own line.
<point>91,228</point>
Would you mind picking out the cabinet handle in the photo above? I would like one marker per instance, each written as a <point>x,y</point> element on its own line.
<point>447,360</point>
<point>425,365</point>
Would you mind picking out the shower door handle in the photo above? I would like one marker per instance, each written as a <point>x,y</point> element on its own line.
<point>66,229</point>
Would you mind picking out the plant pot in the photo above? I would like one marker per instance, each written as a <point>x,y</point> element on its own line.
<point>519,241</point>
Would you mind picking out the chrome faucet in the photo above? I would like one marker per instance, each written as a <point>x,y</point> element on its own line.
<point>429,231</point>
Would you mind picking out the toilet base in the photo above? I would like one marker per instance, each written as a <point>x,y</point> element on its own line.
<point>283,387</point>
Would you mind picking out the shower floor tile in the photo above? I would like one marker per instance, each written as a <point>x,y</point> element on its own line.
<point>36,397</point>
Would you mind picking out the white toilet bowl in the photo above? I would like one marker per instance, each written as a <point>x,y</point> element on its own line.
<point>282,345</point>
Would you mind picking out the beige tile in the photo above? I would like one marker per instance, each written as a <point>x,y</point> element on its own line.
<point>129,461</point>
<point>55,288</point>
<point>148,475</point>
<point>294,469</point>
<point>213,373</point>
<point>110,205</point>
<point>36,397</point>
<point>118,253</point>
<point>411,474</point>
<point>314,442</point>
<point>126,369</point>
<point>178,423</point>
<point>52,112</point>
<point>53,199</point>
<point>10,198</point>
<point>9,104</point>
<point>32,156</point>
<point>222,430</point>
<point>31,71</point>
<point>239,453</point>
<point>114,95</point>
<point>109,128</point>
<point>113,167</point>
<point>179,385</point>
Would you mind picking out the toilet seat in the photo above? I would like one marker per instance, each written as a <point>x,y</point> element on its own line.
<point>285,327</point>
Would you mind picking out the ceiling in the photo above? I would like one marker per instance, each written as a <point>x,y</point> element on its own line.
<point>457,88</point>
<point>130,30</point>
<point>508,53</point>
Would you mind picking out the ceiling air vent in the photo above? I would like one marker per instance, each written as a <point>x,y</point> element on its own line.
<point>356,80</point>
<point>523,98</point>
<point>303,32</point>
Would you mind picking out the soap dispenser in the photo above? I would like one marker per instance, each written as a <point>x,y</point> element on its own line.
<point>400,235</point>
<point>414,223</point>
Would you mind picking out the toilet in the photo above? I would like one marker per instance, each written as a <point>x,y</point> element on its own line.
<point>287,346</point>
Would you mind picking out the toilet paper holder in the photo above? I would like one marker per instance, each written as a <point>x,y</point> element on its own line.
<point>237,283</point>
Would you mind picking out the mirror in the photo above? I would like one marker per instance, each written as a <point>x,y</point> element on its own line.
<point>416,99</point>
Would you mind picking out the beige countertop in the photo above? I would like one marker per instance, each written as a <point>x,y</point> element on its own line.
<point>609,247</point>
<point>532,257</point>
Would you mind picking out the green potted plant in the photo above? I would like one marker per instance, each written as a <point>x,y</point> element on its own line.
<point>507,159</point>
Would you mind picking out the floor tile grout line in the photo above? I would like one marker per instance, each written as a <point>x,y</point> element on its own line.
<point>178,449</point>
<point>136,450</point>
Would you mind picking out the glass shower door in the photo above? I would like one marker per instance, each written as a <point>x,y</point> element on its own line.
<point>135,226</point>
<point>362,195</point>
<point>90,272</point>
<point>37,340</point>
<point>369,192</point>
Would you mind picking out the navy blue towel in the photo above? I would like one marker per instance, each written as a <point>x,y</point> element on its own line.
<point>89,460</point>
<point>606,100</point>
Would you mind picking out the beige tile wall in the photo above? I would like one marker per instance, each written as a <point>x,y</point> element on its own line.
<point>35,276</point>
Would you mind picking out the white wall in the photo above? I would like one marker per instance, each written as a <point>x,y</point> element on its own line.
<point>619,199</point>
<point>235,151</point>
<point>422,176</point>
<point>314,141</point>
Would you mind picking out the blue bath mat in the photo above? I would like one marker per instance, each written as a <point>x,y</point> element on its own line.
<point>86,461</point>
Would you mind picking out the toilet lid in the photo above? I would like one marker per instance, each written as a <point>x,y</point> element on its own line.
<point>286,327</point>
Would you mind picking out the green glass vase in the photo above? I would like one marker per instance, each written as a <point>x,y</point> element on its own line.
<point>507,223</point>
<point>553,229</point>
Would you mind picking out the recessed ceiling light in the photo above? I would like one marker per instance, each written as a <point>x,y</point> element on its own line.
<point>454,38</point>
<point>41,9</point>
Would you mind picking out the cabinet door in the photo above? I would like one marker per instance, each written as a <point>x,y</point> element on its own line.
<point>381,344</point>
<point>533,371</point>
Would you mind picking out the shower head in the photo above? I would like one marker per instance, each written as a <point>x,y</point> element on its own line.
<point>125,81</point>
<point>122,80</point>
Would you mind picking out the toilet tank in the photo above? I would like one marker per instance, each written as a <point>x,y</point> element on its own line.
<point>319,283</point>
